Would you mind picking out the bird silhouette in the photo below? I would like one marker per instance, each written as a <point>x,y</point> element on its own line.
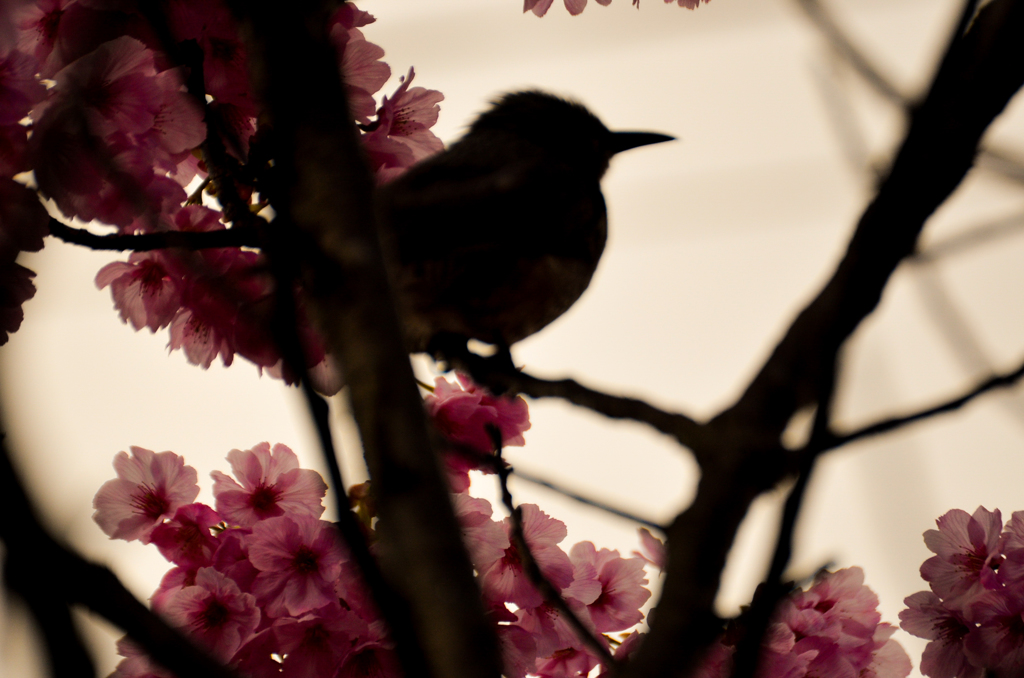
<point>500,234</point>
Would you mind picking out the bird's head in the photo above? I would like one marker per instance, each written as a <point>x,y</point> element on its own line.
<point>560,126</point>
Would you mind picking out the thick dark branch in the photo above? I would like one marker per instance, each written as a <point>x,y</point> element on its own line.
<point>324,189</point>
<point>980,73</point>
<point>69,579</point>
<point>886,425</point>
<point>239,236</point>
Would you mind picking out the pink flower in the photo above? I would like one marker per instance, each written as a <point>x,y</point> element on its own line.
<point>967,554</point>
<point>144,293</point>
<point>401,134</point>
<point>232,558</point>
<point>186,540</point>
<point>485,539</point>
<point>316,644</point>
<point>214,612</point>
<point>946,628</point>
<point>272,485</point>
<point>372,657</point>
<point>136,663</point>
<point>149,487</point>
<point>621,592</point>
<point>19,89</point>
<point>506,581</point>
<point>225,66</point>
<point>652,549</point>
<point>110,119</point>
<point>463,411</point>
<point>997,643</point>
<point>832,629</point>
<point>541,7</point>
<point>359,60</point>
<point>299,558</point>
<point>553,634</point>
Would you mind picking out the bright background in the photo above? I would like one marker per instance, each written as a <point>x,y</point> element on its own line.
<point>716,242</point>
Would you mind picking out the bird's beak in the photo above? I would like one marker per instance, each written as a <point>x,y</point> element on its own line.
<point>623,141</point>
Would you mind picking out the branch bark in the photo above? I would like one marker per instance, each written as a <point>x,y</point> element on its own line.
<point>323,190</point>
<point>979,74</point>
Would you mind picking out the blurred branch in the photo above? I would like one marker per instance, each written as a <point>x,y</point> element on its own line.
<point>981,70</point>
<point>324,189</point>
<point>969,238</point>
<point>995,159</point>
<point>238,236</point>
<point>50,577</point>
<point>850,53</point>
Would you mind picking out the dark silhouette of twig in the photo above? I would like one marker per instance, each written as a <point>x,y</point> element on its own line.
<point>884,426</point>
<point>586,501</point>
<point>532,570</point>
<point>239,236</point>
<point>685,430</point>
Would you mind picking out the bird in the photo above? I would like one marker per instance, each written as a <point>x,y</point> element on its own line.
<point>497,236</point>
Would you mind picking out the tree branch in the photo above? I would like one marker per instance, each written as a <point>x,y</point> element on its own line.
<point>324,189</point>
<point>39,564</point>
<point>238,236</point>
<point>886,425</point>
<point>979,74</point>
<point>685,430</point>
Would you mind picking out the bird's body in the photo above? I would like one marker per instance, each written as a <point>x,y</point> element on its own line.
<point>499,235</point>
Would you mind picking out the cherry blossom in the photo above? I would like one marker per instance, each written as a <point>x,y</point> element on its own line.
<point>271,485</point>
<point>145,293</point>
<point>620,593</point>
<point>215,612</point>
<point>946,628</point>
<point>149,488</point>
<point>966,548</point>
<point>505,579</point>
<point>462,411</point>
<point>298,557</point>
<point>186,539</point>
<point>831,629</point>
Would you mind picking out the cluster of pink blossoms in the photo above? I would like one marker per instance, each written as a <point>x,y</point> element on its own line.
<point>831,630</point>
<point>541,7</point>
<point>267,586</point>
<point>974,613</point>
<point>93,106</point>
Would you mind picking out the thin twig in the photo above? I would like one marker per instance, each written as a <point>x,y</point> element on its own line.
<point>533,571</point>
<point>587,501</point>
<point>886,425</point>
<point>685,430</point>
<point>238,236</point>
